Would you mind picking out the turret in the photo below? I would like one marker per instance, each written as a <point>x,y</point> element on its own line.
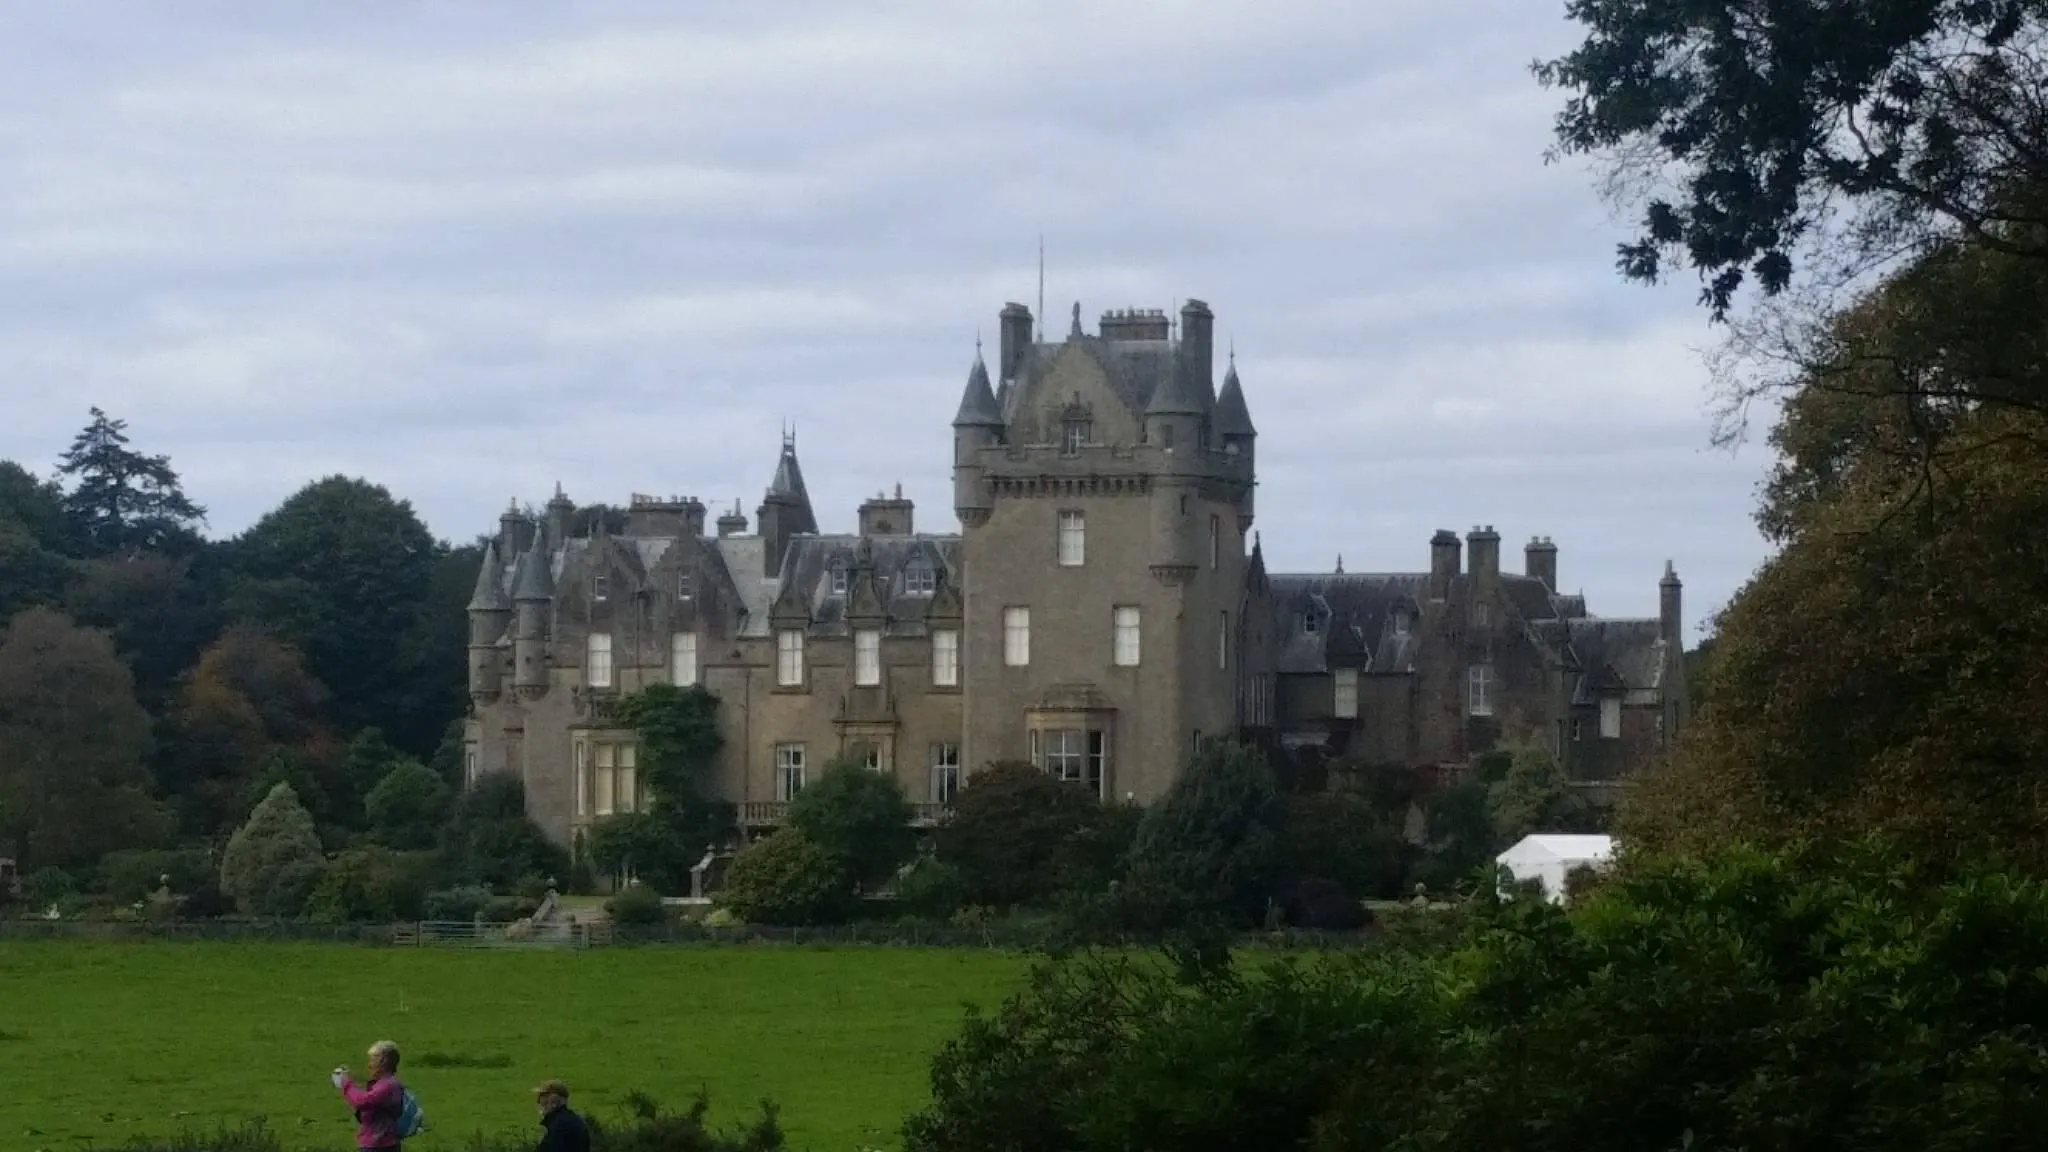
<point>490,611</point>
<point>785,510</point>
<point>533,593</point>
<point>977,425</point>
<point>1676,692</point>
<point>1177,413</point>
<point>1234,429</point>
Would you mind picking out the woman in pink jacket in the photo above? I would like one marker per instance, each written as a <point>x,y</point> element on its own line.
<point>378,1102</point>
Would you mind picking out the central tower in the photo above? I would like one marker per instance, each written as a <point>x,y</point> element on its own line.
<point>1104,491</point>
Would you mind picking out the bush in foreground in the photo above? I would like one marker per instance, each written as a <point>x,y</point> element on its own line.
<point>1822,998</point>
<point>786,879</point>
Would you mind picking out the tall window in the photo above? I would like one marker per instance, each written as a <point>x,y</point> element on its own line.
<point>582,779</point>
<point>1074,436</point>
<point>624,759</point>
<point>789,771</point>
<point>789,658</point>
<point>867,657</point>
<point>1481,615</point>
<point>1610,718</point>
<point>1077,755</point>
<point>682,659</point>
<point>600,585</point>
<point>597,671</point>
<point>838,580</point>
<point>607,779</point>
<point>1479,690</point>
<point>1310,623</point>
<point>1124,641</point>
<point>1344,689</point>
<point>685,585</point>
<point>1215,542</point>
<point>1073,539</point>
<point>920,579</point>
<point>469,767</point>
<point>869,754</point>
<point>1223,639</point>
<point>946,658</point>
<point>945,772</point>
<point>1017,637</point>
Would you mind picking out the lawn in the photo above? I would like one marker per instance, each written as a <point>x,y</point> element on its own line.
<point>103,1041</point>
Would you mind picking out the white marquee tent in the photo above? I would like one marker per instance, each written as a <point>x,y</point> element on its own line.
<point>1548,859</point>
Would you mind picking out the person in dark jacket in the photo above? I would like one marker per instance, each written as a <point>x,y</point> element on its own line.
<point>565,1130</point>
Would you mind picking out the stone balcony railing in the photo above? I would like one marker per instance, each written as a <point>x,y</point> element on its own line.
<point>772,814</point>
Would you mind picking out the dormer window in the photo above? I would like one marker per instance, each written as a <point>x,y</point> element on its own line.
<point>920,579</point>
<point>1075,436</point>
<point>839,576</point>
<point>685,586</point>
<point>600,586</point>
<point>1400,623</point>
<point>1310,624</point>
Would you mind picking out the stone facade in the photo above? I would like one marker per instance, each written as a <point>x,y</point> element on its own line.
<point>1103,610</point>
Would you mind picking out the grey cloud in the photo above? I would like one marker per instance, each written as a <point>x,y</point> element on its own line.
<point>467,258</point>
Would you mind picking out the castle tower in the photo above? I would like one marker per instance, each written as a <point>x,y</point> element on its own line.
<point>533,593</point>
<point>490,611</point>
<point>1101,520</point>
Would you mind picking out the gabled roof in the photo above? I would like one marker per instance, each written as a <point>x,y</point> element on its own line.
<point>978,401</point>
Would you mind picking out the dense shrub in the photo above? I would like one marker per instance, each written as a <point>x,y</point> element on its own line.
<point>1321,904</point>
<point>273,862</point>
<point>931,888</point>
<point>372,884</point>
<point>1341,837</point>
<point>637,906</point>
<point>408,806</point>
<point>489,839</point>
<point>459,903</point>
<point>859,817</point>
<point>46,886</point>
<point>1826,998</point>
<point>1010,822</point>
<point>131,875</point>
<point>785,880</point>
<point>1210,848</point>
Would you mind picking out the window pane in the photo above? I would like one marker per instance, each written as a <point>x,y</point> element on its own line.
<point>789,662</point>
<point>867,657</point>
<point>1127,638</point>
<point>1345,706</point>
<point>1017,637</point>
<point>683,659</point>
<point>598,669</point>
<point>1073,539</point>
<point>946,658</point>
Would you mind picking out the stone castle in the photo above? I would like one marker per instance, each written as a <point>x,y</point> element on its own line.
<point>1103,610</point>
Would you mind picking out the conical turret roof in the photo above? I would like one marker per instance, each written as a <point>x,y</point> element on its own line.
<point>490,583</point>
<point>1232,417</point>
<point>535,579</point>
<point>978,401</point>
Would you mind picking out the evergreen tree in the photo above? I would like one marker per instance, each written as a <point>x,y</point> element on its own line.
<point>122,501</point>
<point>273,862</point>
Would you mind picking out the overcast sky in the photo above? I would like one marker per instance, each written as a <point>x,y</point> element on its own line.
<point>469,249</point>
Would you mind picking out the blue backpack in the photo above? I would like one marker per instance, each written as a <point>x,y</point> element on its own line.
<point>411,1120</point>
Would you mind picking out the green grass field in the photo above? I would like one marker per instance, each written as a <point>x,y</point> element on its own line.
<point>103,1041</point>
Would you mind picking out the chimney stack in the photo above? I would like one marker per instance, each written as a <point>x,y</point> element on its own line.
<point>1539,561</point>
<point>1443,563</point>
<point>1198,345</point>
<point>1016,340</point>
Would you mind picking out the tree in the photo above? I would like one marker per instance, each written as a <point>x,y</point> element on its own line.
<point>72,744</point>
<point>1885,669</point>
<point>1845,132</point>
<point>1210,847</point>
<point>33,563</point>
<point>346,573</point>
<point>408,806</point>
<point>371,883</point>
<point>490,840</point>
<point>123,502</point>
<point>678,738</point>
<point>1532,796</point>
<point>861,819</point>
<point>273,862</point>
<point>1010,822</point>
<point>1339,837</point>
<point>786,879</point>
<point>248,697</point>
<point>156,609</point>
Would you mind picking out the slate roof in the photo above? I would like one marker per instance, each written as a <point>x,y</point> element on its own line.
<point>808,564</point>
<point>1136,370</point>
<point>978,401</point>
<point>1232,417</point>
<point>1360,611</point>
<point>1608,656</point>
